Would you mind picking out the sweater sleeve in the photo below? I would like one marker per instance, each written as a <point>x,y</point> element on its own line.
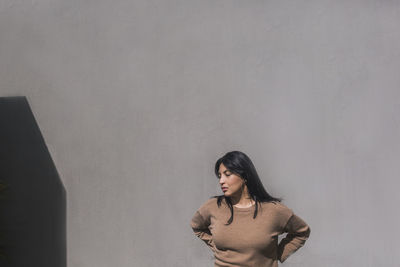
<point>200,228</point>
<point>297,234</point>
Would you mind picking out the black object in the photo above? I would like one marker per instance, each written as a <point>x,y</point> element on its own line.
<point>32,196</point>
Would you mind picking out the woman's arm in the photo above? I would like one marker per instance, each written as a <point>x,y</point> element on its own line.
<point>200,229</point>
<point>298,232</point>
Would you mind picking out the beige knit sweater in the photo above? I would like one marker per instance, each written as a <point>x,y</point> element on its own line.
<point>249,242</point>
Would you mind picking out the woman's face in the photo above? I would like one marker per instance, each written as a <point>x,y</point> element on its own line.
<point>231,184</point>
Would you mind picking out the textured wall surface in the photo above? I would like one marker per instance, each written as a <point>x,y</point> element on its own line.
<point>137,99</point>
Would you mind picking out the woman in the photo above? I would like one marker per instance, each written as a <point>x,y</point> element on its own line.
<point>242,226</point>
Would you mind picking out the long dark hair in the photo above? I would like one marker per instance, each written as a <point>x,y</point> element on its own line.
<point>240,164</point>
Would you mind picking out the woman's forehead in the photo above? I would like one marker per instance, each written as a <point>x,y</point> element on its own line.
<point>222,168</point>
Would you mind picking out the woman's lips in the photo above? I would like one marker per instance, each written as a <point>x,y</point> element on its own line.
<point>224,189</point>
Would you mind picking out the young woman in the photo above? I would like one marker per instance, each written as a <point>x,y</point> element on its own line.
<point>242,226</point>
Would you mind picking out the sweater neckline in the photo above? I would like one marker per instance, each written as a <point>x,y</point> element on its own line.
<point>244,209</point>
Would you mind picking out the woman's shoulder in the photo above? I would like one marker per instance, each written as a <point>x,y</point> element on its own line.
<point>210,202</point>
<point>278,208</point>
<point>208,205</point>
<point>276,204</point>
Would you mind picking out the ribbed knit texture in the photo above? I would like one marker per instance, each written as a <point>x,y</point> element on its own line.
<point>249,242</point>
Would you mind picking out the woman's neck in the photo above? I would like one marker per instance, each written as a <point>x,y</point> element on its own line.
<point>242,201</point>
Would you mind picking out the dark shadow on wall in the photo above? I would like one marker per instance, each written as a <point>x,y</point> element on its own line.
<point>32,196</point>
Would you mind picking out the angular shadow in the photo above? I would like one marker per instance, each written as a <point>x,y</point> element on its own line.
<point>32,196</point>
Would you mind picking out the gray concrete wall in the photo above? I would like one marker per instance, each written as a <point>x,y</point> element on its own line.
<point>137,99</point>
